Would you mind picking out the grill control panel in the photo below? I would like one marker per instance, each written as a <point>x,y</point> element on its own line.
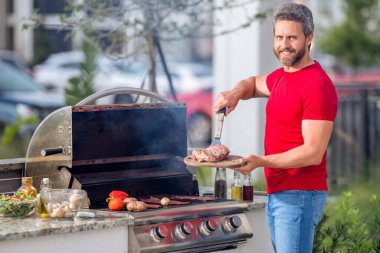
<point>198,232</point>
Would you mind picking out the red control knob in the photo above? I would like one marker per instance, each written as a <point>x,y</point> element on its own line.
<point>208,226</point>
<point>183,230</point>
<point>211,224</point>
<point>186,228</point>
<point>159,232</point>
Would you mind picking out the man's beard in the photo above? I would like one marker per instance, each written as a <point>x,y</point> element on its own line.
<point>293,59</point>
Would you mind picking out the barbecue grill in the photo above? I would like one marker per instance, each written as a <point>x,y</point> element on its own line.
<point>138,148</point>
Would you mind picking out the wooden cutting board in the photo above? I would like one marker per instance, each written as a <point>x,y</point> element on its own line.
<point>232,161</point>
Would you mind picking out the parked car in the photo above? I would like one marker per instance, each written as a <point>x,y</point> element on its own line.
<point>55,72</point>
<point>199,116</point>
<point>9,57</point>
<point>360,76</point>
<point>187,77</point>
<point>21,96</point>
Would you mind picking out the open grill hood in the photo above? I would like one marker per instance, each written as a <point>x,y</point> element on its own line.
<point>135,147</point>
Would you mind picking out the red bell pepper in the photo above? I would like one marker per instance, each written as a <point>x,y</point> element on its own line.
<point>118,194</point>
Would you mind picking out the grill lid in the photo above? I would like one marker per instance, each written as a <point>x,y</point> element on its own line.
<point>132,147</point>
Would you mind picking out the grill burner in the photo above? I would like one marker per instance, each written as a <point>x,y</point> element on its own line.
<point>135,148</point>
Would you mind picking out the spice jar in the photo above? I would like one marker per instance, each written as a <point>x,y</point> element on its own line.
<point>236,187</point>
<point>220,185</point>
<point>27,187</point>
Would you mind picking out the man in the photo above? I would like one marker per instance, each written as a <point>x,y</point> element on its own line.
<point>300,111</point>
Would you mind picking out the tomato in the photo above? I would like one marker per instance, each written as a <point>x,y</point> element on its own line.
<point>115,204</point>
<point>14,198</point>
<point>118,194</point>
<point>17,198</point>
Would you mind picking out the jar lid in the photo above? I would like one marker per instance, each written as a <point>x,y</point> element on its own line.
<point>27,179</point>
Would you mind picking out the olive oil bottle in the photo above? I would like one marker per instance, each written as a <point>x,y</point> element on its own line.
<point>236,187</point>
<point>45,185</point>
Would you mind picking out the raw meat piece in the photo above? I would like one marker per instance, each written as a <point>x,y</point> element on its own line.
<point>214,153</point>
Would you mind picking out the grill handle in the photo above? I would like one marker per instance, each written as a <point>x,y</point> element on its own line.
<point>52,151</point>
<point>122,90</point>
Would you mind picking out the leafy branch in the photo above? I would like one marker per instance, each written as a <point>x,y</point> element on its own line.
<point>11,130</point>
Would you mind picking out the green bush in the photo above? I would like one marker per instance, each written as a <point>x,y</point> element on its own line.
<point>344,227</point>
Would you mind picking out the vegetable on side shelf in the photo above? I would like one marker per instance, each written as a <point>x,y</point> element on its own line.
<point>136,206</point>
<point>118,194</point>
<point>115,204</point>
<point>115,200</point>
<point>17,205</point>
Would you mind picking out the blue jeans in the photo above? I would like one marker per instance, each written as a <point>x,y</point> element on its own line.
<point>292,217</point>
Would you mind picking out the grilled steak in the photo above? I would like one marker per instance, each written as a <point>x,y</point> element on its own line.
<point>214,153</point>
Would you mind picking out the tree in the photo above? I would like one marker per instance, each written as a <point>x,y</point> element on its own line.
<point>131,28</point>
<point>356,40</point>
<point>83,85</point>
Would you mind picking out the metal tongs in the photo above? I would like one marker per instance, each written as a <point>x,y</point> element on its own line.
<point>219,125</point>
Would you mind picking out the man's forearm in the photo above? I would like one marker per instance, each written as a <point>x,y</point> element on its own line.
<point>301,156</point>
<point>245,89</point>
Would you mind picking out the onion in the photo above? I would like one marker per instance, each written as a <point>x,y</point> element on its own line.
<point>165,201</point>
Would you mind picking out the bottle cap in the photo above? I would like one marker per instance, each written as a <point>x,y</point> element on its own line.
<point>27,179</point>
<point>45,180</point>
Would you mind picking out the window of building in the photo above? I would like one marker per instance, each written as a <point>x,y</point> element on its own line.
<point>9,6</point>
<point>9,38</point>
<point>50,7</point>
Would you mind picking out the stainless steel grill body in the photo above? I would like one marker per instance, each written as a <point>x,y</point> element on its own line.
<point>137,148</point>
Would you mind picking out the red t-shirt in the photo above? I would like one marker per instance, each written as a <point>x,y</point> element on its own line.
<point>305,94</point>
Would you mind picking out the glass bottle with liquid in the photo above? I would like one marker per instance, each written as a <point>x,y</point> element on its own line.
<point>236,187</point>
<point>45,185</point>
<point>27,187</point>
<point>220,186</point>
<point>247,188</point>
<point>195,191</point>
